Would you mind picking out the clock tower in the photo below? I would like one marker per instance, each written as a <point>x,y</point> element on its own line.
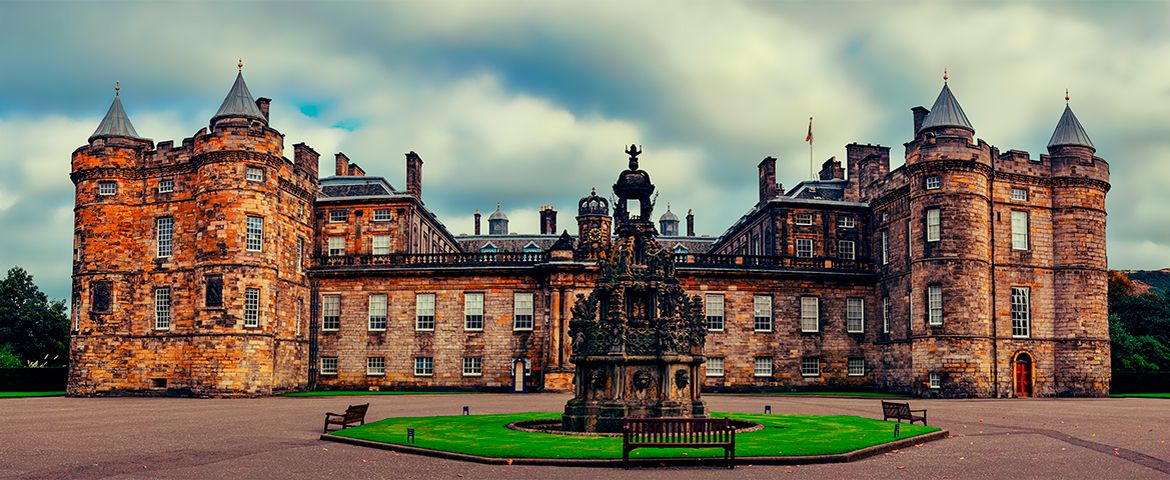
<point>594,226</point>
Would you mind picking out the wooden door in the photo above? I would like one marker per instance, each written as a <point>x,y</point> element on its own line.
<point>518,376</point>
<point>1023,374</point>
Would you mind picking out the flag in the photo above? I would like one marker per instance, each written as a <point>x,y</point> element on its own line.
<point>808,138</point>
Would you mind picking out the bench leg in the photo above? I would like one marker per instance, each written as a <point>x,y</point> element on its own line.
<point>625,458</point>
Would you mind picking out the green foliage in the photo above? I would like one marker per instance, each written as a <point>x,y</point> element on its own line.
<point>354,393</point>
<point>31,394</point>
<point>33,328</point>
<point>9,359</point>
<point>1139,327</point>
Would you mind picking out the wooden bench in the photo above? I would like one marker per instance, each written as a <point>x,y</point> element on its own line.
<point>678,433</point>
<point>354,415</point>
<point>901,411</point>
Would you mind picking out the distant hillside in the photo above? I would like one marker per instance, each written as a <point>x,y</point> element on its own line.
<point>1156,279</point>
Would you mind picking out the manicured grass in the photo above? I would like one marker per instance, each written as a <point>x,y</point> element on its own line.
<point>1140,395</point>
<point>826,394</point>
<point>488,436</point>
<point>30,394</point>
<point>348,393</point>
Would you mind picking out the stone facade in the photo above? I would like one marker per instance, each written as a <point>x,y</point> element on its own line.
<point>966,272</point>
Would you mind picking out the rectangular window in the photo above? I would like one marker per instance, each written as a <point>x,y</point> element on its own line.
<point>885,314</point>
<point>300,315</point>
<point>336,246</point>
<point>162,308</point>
<point>381,245</point>
<point>763,367</point>
<point>424,366</point>
<point>909,238</point>
<point>522,311</point>
<point>164,232</point>
<point>855,315</point>
<point>762,307</point>
<point>1021,312</point>
<point>885,247</point>
<point>338,216</point>
<point>804,247</point>
<point>375,365</point>
<point>381,215</point>
<point>804,219</point>
<point>255,234</point>
<point>1019,230</point>
<point>1019,194</point>
<point>328,365</point>
<point>473,311</point>
<point>934,304</point>
<point>714,367</point>
<point>103,296</point>
<point>300,254</point>
<point>856,367</point>
<point>933,224</point>
<point>935,380</point>
<point>251,307</point>
<point>810,367</point>
<point>714,312</point>
<point>933,183</point>
<point>166,185</point>
<point>107,188</point>
<point>330,312</point>
<point>846,250</point>
<point>472,366</point>
<point>846,222</point>
<point>254,174</point>
<point>378,311</point>
<point>810,314</point>
<point>424,311</point>
<point>213,291</point>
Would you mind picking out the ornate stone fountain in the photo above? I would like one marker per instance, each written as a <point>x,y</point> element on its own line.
<point>638,337</point>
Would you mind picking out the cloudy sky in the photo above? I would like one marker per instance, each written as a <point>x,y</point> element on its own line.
<point>532,103</point>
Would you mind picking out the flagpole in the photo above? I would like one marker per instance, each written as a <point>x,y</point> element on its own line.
<point>811,166</point>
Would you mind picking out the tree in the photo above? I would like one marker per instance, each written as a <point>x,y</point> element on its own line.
<point>31,326</point>
<point>1139,328</point>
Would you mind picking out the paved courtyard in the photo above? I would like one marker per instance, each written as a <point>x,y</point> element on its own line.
<point>277,438</point>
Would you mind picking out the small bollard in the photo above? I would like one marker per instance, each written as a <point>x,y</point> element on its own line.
<point>767,409</point>
<point>466,410</point>
<point>410,435</point>
<point>897,428</point>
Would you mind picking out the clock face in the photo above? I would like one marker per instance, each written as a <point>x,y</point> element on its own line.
<point>594,234</point>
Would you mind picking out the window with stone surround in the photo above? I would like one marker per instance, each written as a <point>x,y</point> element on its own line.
<point>162,308</point>
<point>336,246</point>
<point>934,305</point>
<point>846,250</point>
<point>810,367</point>
<point>933,182</point>
<point>522,311</point>
<point>935,380</point>
<point>472,366</point>
<point>108,188</point>
<point>254,174</point>
<point>885,247</point>
<point>377,311</point>
<point>909,239</point>
<point>300,254</point>
<point>381,215</point>
<point>213,291</point>
<point>885,314</point>
<point>166,185</point>
<point>102,300</point>
<point>810,314</point>
<point>255,230</point>
<point>328,365</point>
<point>1019,230</point>
<point>424,311</point>
<point>1021,312</point>
<point>714,311</point>
<point>714,366</point>
<point>855,315</point>
<point>300,314</point>
<point>338,215</point>
<point>375,365</point>
<point>473,311</point>
<point>804,247</point>
<point>846,221</point>
<point>933,224</point>
<point>380,245</point>
<point>251,307</point>
<point>763,367</point>
<point>164,235</point>
<point>1020,194</point>
<point>424,366</point>
<point>856,367</point>
<point>330,312</point>
<point>804,219</point>
<point>762,312</point>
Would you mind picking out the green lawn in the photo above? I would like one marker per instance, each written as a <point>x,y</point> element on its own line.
<point>1141,395</point>
<point>30,394</point>
<point>487,436</point>
<point>826,394</point>
<point>347,393</point>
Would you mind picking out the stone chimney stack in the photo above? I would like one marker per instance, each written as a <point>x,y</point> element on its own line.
<point>548,220</point>
<point>342,165</point>
<point>690,223</point>
<point>832,170</point>
<point>919,115</point>
<point>305,157</point>
<point>477,215</point>
<point>768,187</point>
<point>263,103</point>
<point>414,165</point>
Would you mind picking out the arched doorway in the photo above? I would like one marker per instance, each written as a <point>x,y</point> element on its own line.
<point>1022,372</point>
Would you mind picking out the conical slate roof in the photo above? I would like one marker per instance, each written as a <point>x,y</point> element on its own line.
<point>239,103</point>
<point>1069,132</point>
<point>946,112</point>
<point>115,124</point>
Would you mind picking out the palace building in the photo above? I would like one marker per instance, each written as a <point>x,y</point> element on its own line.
<point>220,267</point>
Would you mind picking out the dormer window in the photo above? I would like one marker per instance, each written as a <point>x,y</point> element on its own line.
<point>254,174</point>
<point>933,183</point>
<point>488,248</point>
